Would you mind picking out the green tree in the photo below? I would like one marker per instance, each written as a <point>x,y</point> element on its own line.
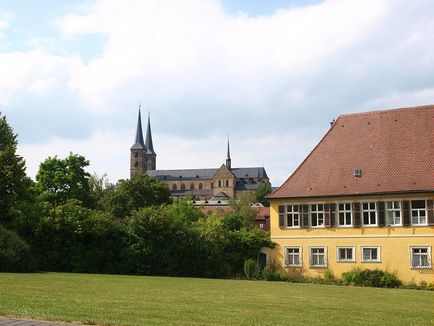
<point>13,179</point>
<point>60,180</point>
<point>138,192</point>
<point>261,193</point>
<point>101,190</point>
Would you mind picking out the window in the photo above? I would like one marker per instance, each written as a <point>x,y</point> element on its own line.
<point>136,164</point>
<point>293,256</point>
<point>220,183</point>
<point>174,187</point>
<point>200,185</point>
<point>369,212</point>
<point>370,254</point>
<point>393,212</point>
<point>345,214</point>
<point>227,183</point>
<point>418,212</point>
<point>317,215</point>
<point>182,186</point>
<point>420,257</point>
<point>191,186</point>
<point>345,254</point>
<point>136,155</point>
<point>318,256</point>
<point>292,216</point>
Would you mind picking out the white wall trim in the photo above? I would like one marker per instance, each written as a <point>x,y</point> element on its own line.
<point>353,236</point>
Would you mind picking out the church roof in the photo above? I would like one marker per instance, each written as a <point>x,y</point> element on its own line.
<point>196,174</point>
<point>369,153</point>
<point>138,142</point>
<point>149,144</point>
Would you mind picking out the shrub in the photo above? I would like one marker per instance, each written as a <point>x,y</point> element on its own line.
<point>14,253</point>
<point>329,277</point>
<point>371,277</point>
<point>295,276</point>
<point>272,274</point>
<point>250,268</point>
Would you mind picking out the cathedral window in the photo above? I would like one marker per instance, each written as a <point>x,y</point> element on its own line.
<point>191,186</point>
<point>220,183</point>
<point>200,185</point>
<point>136,164</point>
<point>227,183</point>
<point>136,155</point>
<point>174,187</point>
<point>182,186</point>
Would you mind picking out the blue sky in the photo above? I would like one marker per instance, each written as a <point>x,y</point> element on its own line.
<point>271,74</point>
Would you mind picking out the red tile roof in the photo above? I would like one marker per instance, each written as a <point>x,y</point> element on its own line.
<point>393,149</point>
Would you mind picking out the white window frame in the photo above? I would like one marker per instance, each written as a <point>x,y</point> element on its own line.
<point>345,211</point>
<point>353,248</point>
<point>300,253</point>
<point>393,210</point>
<point>317,212</point>
<point>298,213</point>
<point>429,257</point>
<point>311,257</point>
<point>362,258</point>
<point>419,209</point>
<point>369,211</point>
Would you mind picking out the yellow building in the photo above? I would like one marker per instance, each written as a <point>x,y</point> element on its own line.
<point>363,197</point>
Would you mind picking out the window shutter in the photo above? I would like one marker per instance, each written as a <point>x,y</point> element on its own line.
<point>332,214</point>
<point>327,222</point>
<point>356,214</point>
<point>310,257</point>
<point>325,257</point>
<point>430,212</point>
<point>305,216</point>
<point>406,213</point>
<point>281,216</point>
<point>381,214</point>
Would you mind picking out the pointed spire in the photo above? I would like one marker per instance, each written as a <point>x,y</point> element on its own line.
<point>148,143</point>
<point>228,158</point>
<point>139,143</point>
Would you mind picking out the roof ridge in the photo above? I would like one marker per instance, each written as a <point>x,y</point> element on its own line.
<point>420,107</point>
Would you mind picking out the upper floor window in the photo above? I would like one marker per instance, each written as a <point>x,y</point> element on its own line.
<point>200,185</point>
<point>420,257</point>
<point>317,214</point>
<point>393,212</point>
<point>136,164</point>
<point>369,212</point>
<point>182,186</point>
<point>418,212</point>
<point>220,183</point>
<point>174,187</point>
<point>293,216</point>
<point>136,155</point>
<point>227,183</point>
<point>345,214</point>
<point>191,186</point>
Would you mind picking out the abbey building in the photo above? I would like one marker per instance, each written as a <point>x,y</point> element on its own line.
<point>201,184</point>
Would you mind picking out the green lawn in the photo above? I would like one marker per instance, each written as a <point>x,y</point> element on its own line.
<point>139,300</point>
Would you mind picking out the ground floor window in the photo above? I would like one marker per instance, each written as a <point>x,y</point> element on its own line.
<point>293,256</point>
<point>345,254</point>
<point>318,256</point>
<point>420,257</point>
<point>370,254</point>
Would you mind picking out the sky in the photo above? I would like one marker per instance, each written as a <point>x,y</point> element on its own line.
<point>270,74</point>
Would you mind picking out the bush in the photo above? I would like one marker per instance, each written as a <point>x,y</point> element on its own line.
<point>271,274</point>
<point>371,277</point>
<point>15,254</point>
<point>250,267</point>
<point>295,276</point>
<point>329,277</point>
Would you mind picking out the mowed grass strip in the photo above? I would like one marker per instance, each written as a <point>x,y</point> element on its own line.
<point>142,300</point>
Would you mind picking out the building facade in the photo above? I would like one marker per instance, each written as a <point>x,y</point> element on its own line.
<point>215,184</point>
<point>363,197</point>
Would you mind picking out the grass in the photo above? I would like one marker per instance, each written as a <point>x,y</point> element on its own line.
<point>140,300</point>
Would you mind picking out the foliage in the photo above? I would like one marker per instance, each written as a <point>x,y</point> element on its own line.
<point>138,192</point>
<point>295,276</point>
<point>250,267</point>
<point>13,180</point>
<point>261,193</point>
<point>100,189</point>
<point>371,277</point>
<point>329,277</point>
<point>270,273</point>
<point>60,180</point>
<point>242,210</point>
<point>15,254</point>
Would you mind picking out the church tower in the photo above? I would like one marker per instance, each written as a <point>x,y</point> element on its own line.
<point>151,156</point>
<point>228,158</point>
<point>139,157</point>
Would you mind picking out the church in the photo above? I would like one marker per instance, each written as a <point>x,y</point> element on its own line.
<point>214,184</point>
